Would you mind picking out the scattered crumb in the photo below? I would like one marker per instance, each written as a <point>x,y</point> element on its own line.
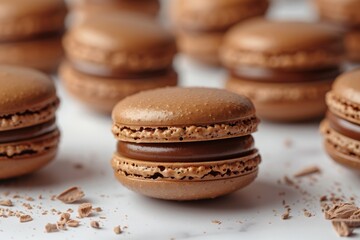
<point>288,181</point>
<point>216,222</point>
<point>341,210</point>
<point>307,213</point>
<point>71,195</point>
<point>84,210</point>
<point>73,223</point>
<point>323,198</point>
<point>64,218</point>
<point>342,229</point>
<point>95,224</point>
<point>307,171</point>
<point>6,203</point>
<point>117,230</point>
<point>98,209</point>
<point>49,228</point>
<point>286,215</point>
<point>25,218</point>
<point>30,199</point>
<point>78,166</point>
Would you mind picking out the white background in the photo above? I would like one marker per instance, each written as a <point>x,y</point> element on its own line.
<point>253,213</point>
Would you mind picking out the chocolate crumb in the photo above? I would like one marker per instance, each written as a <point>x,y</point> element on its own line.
<point>49,228</point>
<point>84,210</point>
<point>342,229</point>
<point>25,218</point>
<point>307,171</point>
<point>71,195</point>
<point>216,222</point>
<point>117,230</point>
<point>6,203</point>
<point>95,224</point>
<point>72,223</point>
<point>307,213</point>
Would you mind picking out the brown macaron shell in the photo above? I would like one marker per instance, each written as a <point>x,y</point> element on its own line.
<point>171,117</point>
<point>186,181</point>
<point>43,53</point>
<point>345,11</point>
<point>24,19</point>
<point>27,98</point>
<point>102,94</point>
<point>111,44</point>
<point>284,101</point>
<point>205,15</point>
<point>282,45</point>
<point>87,8</point>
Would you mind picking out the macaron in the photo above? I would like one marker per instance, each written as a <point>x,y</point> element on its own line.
<point>345,14</point>
<point>200,25</point>
<point>30,33</point>
<point>284,67</point>
<point>82,9</point>
<point>341,127</point>
<point>29,136</point>
<point>185,143</point>
<point>112,56</point>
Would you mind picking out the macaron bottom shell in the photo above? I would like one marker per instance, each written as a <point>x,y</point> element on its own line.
<point>284,102</point>
<point>43,54</point>
<point>102,94</point>
<point>186,181</point>
<point>32,155</point>
<point>340,148</point>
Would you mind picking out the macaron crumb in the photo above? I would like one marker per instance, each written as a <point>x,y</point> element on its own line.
<point>50,227</point>
<point>6,203</point>
<point>95,224</point>
<point>25,218</point>
<point>307,171</point>
<point>71,195</point>
<point>216,222</point>
<point>307,213</point>
<point>72,223</point>
<point>84,210</point>
<point>342,229</point>
<point>117,230</point>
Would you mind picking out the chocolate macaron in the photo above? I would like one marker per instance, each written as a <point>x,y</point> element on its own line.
<point>285,68</point>
<point>112,56</point>
<point>28,133</point>
<point>185,143</point>
<point>341,127</point>
<point>344,13</point>
<point>201,24</point>
<point>30,33</point>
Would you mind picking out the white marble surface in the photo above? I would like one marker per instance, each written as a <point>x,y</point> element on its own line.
<point>253,213</point>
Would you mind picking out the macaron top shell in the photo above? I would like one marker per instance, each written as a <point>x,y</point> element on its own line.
<point>20,19</point>
<point>215,14</point>
<point>183,115</point>
<point>347,87</point>
<point>265,39</point>
<point>181,107</point>
<point>23,90</point>
<point>125,41</point>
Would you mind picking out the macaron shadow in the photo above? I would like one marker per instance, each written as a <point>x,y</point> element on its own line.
<point>258,194</point>
<point>69,174</point>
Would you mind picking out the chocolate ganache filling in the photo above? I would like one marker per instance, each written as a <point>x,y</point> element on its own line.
<point>188,151</point>
<point>286,76</point>
<point>344,127</point>
<point>27,132</point>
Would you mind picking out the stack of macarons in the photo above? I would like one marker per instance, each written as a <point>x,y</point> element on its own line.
<point>346,14</point>
<point>88,8</point>
<point>30,33</point>
<point>28,133</point>
<point>341,127</point>
<point>185,143</point>
<point>114,55</point>
<point>201,24</point>
<point>284,67</point>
